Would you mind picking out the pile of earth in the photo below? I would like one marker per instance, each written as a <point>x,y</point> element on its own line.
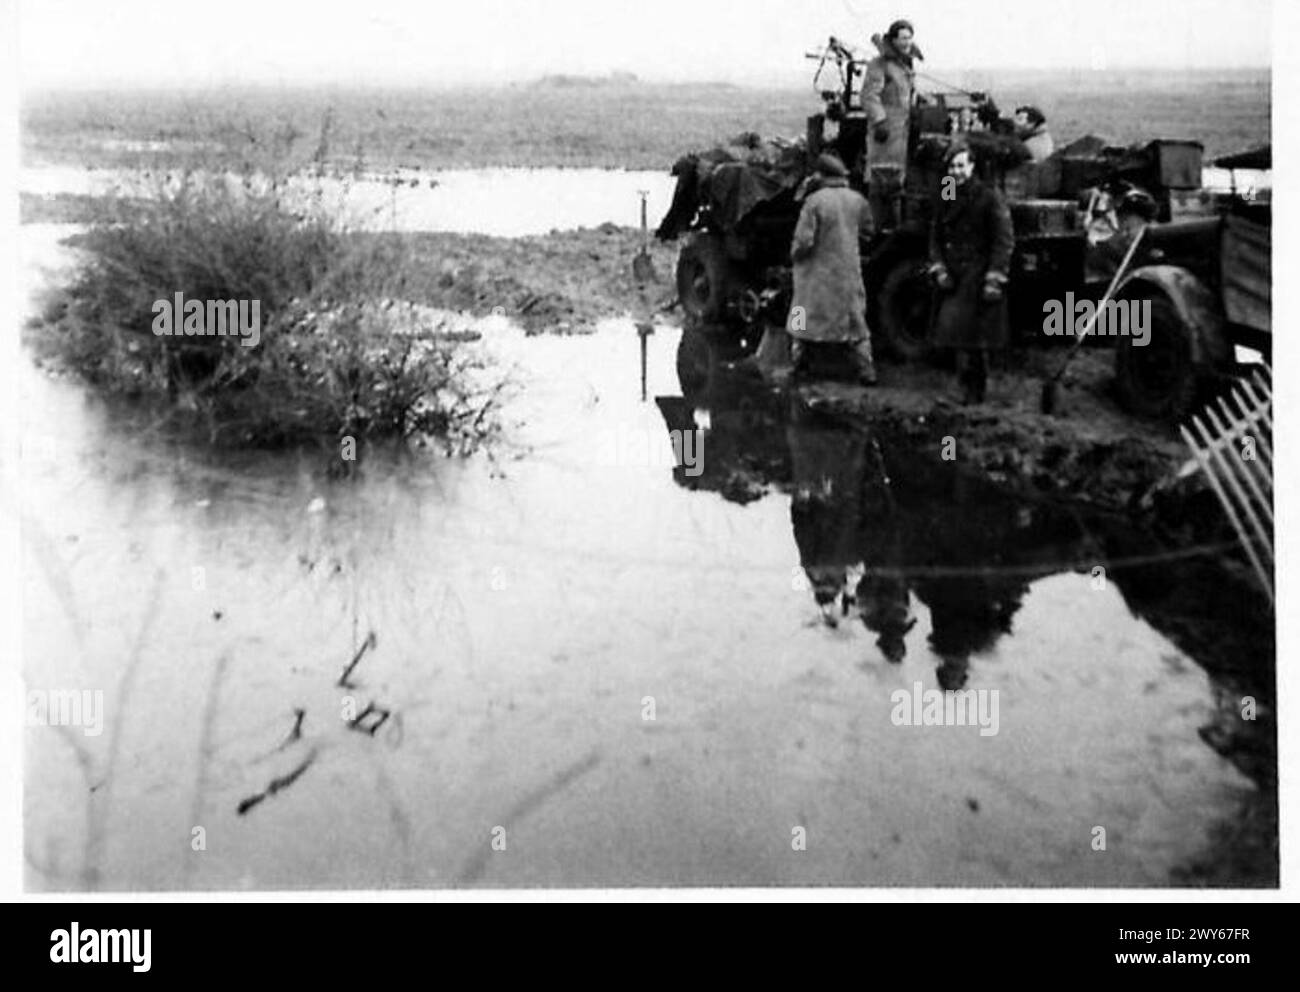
<point>564,282</point>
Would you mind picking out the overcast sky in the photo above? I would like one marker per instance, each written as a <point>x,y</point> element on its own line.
<point>75,42</point>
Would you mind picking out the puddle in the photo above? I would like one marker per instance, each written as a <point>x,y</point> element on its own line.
<point>504,202</point>
<point>616,669</point>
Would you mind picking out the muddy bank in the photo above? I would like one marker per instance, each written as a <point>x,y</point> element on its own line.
<point>1090,452</point>
<point>564,282</point>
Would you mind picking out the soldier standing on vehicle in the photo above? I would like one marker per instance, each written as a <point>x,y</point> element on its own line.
<point>971,240</point>
<point>887,97</point>
<point>830,301</point>
<point>1031,129</point>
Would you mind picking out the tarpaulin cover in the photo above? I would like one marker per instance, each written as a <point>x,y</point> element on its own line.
<point>1248,273</point>
<point>1254,158</point>
<point>736,188</point>
<point>732,180</point>
<point>1069,169</point>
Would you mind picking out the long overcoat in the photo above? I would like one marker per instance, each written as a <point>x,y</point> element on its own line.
<point>887,96</point>
<point>830,301</point>
<point>971,236</point>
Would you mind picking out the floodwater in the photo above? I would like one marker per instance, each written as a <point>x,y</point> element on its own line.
<point>504,202</point>
<point>580,663</point>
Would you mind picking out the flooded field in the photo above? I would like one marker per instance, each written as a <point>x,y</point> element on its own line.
<point>573,661</point>
<point>503,202</point>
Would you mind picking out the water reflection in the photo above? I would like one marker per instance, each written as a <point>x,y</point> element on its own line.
<point>523,613</point>
<point>877,524</point>
<point>888,535</point>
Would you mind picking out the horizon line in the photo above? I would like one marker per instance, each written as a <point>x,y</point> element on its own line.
<point>616,77</point>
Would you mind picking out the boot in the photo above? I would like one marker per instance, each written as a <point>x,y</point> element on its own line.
<point>864,365</point>
<point>773,357</point>
<point>799,361</point>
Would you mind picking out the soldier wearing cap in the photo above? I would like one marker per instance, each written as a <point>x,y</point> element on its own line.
<point>829,307</point>
<point>1135,210</point>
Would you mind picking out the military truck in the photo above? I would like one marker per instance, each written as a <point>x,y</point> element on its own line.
<point>1209,280</point>
<point>735,210</point>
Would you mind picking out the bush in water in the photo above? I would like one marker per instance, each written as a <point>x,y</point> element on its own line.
<point>339,351</point>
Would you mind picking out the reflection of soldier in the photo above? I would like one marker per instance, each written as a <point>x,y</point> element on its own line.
<point>842,511</point>
<point>1031,129</point>
<point>968,613</point>
<point>827,466</point>
<point>884,604</point>
<point>883,598</point>
<point>846,515</point>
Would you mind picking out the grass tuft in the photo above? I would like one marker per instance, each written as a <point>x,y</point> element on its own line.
<point>342,349</point>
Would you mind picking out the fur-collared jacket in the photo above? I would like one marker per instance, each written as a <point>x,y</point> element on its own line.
<point>887,97</point>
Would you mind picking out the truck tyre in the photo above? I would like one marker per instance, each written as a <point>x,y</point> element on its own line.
<point>903,310</point>
<point>1159,380</point>
<point>704,278</point>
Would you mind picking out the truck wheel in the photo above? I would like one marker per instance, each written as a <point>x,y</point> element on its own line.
<point>902,325</point>
<point>704,278</point>
<point>1159,380</point>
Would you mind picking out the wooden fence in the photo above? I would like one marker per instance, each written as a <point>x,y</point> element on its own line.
<point>1232,442</point>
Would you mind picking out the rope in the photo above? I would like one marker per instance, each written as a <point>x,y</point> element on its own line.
<point>940,82</point>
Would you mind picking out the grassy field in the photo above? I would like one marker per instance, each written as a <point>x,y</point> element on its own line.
<point>619,124</point>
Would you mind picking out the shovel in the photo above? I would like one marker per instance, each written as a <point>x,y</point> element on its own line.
<point>1047,400</point>
<point>643,266</point>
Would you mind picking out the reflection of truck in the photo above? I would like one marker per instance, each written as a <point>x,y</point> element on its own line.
<point>735,209</point>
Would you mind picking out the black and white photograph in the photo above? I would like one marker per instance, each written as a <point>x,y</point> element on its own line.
<point>704,447</point>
